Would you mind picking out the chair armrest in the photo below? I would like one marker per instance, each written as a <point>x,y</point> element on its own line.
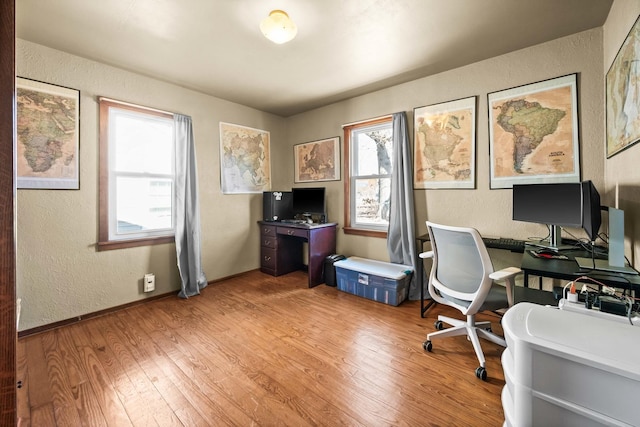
<point>428,254</point>
<point>507,274</point>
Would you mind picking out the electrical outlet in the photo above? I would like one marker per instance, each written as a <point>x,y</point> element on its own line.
<point>149,282</point>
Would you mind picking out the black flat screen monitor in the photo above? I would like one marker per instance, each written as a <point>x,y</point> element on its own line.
<point>591,215</point>
<point>562,204</point>
<point>308,201</point>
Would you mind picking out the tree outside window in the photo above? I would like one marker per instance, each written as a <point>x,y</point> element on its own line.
<point>368,155</point>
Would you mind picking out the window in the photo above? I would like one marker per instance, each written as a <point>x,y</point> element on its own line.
<point>136,176</point>
<point>368,162</point>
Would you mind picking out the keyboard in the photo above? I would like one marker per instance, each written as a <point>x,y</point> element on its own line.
<point>294,221</point>
<point>504,243</point>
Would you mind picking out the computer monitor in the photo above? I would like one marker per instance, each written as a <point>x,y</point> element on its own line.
<point>308,201</point>
<point>591,216</point>
<point>558,205</point>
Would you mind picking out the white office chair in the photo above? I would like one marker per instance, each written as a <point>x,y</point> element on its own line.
<point>462,276</point>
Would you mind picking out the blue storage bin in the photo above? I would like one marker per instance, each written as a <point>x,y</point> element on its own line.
<point>375,280</point>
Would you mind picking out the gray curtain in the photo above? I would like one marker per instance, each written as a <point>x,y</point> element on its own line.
<point>188,247</point>
<point>401,237</point>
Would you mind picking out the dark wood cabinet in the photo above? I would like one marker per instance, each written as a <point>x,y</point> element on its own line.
<point>277,256</point>
<point>281,248</point>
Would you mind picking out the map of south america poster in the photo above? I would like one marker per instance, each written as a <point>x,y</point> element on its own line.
<point>534,134</point>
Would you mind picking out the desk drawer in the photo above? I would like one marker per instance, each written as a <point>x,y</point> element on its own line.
<point>268,230</point>
<point>269,242</point>
<point>268,259</point>
<point>289,231</point>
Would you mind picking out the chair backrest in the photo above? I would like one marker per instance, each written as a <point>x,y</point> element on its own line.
<point>461,265</point>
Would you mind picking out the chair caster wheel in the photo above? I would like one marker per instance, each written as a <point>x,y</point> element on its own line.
<point>427,345</point>
<point>439,325</point>
<point>481,373</point>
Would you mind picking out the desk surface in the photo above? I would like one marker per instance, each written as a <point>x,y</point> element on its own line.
<point>298,225</point>
<point>568,269</point>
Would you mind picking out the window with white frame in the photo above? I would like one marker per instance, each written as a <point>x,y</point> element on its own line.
<point>368,164</point>
<point>137,151</point>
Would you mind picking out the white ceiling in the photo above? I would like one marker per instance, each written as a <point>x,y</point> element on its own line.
<point>344,48</point>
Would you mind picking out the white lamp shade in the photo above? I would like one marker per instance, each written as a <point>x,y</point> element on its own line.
<point>278,27</point>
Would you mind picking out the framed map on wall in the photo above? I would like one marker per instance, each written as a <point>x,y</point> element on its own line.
<point>623,95</point>
<point>317,160</point>
<point>48,129</point>
<point>445,145</point>
<point>245,162</point>
<point>533,133</point>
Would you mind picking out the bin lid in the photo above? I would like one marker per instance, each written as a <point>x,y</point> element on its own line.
<point>378,268</point>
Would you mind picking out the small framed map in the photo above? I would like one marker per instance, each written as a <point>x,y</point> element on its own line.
<point>48,128</point>
<point>623,95</point>
<point>533,133</point>
<point>317,160</point>
<point>245,162</point>
<point>445,145</point>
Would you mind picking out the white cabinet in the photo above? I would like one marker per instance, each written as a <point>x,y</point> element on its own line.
<point>564,368</point>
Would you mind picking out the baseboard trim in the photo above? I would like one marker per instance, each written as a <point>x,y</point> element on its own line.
<point>66,322</point>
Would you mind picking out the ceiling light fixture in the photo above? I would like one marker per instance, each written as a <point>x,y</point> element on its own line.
<point>278,27</point>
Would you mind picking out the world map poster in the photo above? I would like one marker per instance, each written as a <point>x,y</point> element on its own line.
<point>48,135</point>
<point>533,134</point>
<point>244,159</point>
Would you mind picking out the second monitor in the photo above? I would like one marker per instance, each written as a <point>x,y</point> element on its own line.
<point>309,202</point>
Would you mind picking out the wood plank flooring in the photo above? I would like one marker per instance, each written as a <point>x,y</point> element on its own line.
<point>256,350</point>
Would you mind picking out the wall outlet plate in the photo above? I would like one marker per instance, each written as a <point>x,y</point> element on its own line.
<point>149,282</point>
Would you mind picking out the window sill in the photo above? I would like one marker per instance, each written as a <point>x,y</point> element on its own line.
<point>122,244</point>
<point>365,232</point>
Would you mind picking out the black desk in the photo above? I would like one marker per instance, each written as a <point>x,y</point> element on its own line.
<point>567,269</point>
<point>420,241</point>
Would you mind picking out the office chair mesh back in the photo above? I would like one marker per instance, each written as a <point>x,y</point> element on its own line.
<point>459,264</point>
<point>462,269</point>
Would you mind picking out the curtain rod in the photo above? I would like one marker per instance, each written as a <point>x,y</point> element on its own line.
<point>115,101</point>
<point>367,120</point>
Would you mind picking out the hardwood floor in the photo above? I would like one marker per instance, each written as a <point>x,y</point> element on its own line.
<point>257,350</point>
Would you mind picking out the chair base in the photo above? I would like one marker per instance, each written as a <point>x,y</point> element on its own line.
<point>473,330</point>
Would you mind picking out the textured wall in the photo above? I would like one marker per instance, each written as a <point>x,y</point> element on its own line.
<point>60,275</point>
<point>482,208</point>
<point>622,170</point>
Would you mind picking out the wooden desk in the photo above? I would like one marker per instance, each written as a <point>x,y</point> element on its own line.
<point>281,250</point>
<point>567,269</point>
